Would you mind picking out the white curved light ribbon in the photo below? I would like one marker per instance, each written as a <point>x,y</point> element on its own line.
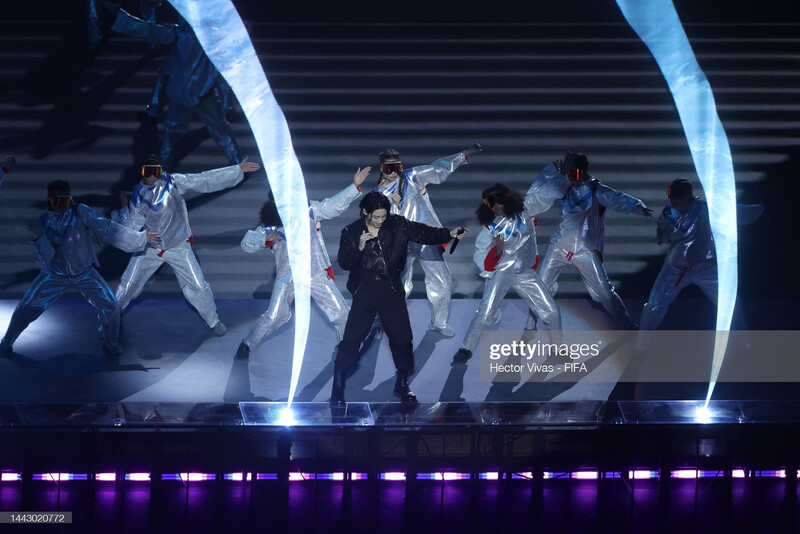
<point>657,24</point>
<point>220,30</point>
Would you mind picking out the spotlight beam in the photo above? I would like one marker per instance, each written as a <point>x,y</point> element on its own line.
<point>220,31</point>
<point>657,24</point>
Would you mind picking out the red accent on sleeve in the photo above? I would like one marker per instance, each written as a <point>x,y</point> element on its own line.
<point>359,189</point>
<point>161,253</point>
<point>268,244</point>
<point>536,265</point>
<point>329,270</point>
<point>5,169</point>
<point>191,240</point>
<point>444,246</point>
<point>678,281</point>
<point>535,222</point>
<point>490,261</point>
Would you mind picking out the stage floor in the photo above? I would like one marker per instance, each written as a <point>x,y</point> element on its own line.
<point>170,356</point>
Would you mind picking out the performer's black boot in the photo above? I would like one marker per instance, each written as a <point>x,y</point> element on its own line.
<point>243,352</point>
<point>337,393</point>
<point>462,356</point>
<point>402,390</point>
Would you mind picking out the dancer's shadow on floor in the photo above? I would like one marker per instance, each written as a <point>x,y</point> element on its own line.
<point>314,388</point>
<point>536,389</point>
<point>73,364</point>
<point>98,377</point>
<point>454,384</point>
<point>385,390</point>
<point>238,388</point>
<point>358,378</point>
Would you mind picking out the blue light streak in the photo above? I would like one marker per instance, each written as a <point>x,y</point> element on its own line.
<point>220,31</point>
<point>657,24</point>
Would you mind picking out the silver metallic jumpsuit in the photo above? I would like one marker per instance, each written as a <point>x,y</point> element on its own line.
<point>64,246</point>
<point>690,260</point>
<point>162,209</point>
<point>578,241</point>
<point>192,83</point>
<point>513,270</point>
<point>323,289</point>
<point>416,206</point>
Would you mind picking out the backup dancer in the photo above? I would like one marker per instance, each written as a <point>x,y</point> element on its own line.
<point>323,290</point>
<point>691,259</point>
<point>63,245</point>
<point>506,254</point>
<point>158,204</point>
<point>578,241</point>
<point>190,80</point>
<point>407,189</point>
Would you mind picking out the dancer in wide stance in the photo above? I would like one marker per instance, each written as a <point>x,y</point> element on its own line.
<point>158,204</point>
<point>63,245</point>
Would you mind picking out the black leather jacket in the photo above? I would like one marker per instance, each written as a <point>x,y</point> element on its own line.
<point>393,237</point>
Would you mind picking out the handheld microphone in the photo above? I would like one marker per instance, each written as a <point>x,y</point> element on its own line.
<point>454,244</point>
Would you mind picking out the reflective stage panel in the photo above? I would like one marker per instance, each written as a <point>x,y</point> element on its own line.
<point>306,414</point>
<point>144,415</point>
<point>717,412</point>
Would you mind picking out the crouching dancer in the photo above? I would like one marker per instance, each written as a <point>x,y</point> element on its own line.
<point>63,245</point>
<point>374,250</point>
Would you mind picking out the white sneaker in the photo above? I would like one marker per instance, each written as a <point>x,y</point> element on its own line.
<point>445,330</point>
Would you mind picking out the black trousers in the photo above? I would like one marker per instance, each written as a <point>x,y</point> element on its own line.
<point>377,297</point>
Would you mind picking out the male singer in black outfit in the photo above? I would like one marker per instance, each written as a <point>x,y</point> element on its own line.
<point>374,250</point>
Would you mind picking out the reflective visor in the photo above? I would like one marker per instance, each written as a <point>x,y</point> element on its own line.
<point>151,170</point>
<point>495,198</point>
<point>389,168</point>
<point>61,202</point>
<point>576,175</point>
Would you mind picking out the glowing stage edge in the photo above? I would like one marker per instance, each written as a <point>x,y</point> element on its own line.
<point>220,31</point>
<point>657,24</point>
